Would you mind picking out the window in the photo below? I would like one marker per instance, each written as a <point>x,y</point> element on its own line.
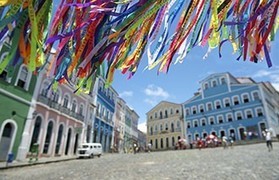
<point>44,89</point>
<point>161,115</point>
<point>66,101</point>
<point>55,96</point>
<point>156,128</point>
<point>217,104</point>
<point>177,111</point>
<point>150,117</point>
<point>166,114</point>
<point>203,123</point>
<point>161,127</point>
<point>227,102</point>
<point>23,78</point>
<point>81,109</point>
<point>249,114</point>
<point>245,98</point>
<point>256,95</point>
<point>188,125</point>
<point>195,123</point>
<point>211,121</point>
<point>206,86</point>
<point>229,118</point>
<point>171,111</point>
<point>187,111</point>
<point>220,119</point>
<point>236,100</point>
<point>194,110</point>
<point>151,131</point>
<point>201,107</point>
<point>155,115</point>
<point>166,127</point>
<point>209,106</point>
<point>223,80</point>
<point>259,112</point>
<point>238,115</point>
<point>214,83</point>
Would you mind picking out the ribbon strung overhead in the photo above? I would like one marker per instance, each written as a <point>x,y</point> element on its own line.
<point>87,34</point>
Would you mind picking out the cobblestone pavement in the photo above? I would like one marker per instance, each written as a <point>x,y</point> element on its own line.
<point>242,162</point>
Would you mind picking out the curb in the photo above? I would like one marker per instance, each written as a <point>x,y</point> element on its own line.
<point>35,163</point>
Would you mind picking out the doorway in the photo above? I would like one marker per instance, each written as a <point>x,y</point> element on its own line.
<point>6,140</point>
<point>68,141</point>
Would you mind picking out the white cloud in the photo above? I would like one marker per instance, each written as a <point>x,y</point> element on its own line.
<point>142,127</point>
<point>156,91</point>
<point>126,94</point>
<point>271,75</point>
<point>150,101</point>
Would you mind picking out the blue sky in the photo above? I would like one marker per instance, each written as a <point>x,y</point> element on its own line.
<point>146,89</point>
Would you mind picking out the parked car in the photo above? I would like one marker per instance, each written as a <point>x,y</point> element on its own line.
<point>90,150</point>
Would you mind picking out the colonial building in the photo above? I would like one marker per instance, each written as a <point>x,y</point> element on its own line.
<point>16,88</point>
<point>165,125</point>
<point>225,105</point>
<point>103,122</point>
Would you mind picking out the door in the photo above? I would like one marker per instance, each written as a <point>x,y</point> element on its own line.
<point>6,141</point>
<point>68,141</point>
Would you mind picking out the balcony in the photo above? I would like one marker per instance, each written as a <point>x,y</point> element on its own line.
<point>79,117</point>
<point>43,99</point>
<point>65,110</point>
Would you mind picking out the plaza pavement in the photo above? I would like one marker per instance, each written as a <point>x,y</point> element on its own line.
<point>241,162</point>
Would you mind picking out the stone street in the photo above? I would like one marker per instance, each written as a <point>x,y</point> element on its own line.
<point>241,162</point>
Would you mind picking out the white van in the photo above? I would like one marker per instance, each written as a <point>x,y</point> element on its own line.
<point>90,150</point>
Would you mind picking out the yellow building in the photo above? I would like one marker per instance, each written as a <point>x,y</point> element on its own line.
<point>165,125</point>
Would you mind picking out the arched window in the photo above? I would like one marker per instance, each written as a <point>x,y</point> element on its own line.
<point>248,114</point>
<point>36,131</point>
<point>188,125</point>
<point>214,83</point>
<point>217,104</point>
<point>259,112</point>
<point>171,111</point>
<point>201,107</point>
<point>256,95</point>
<point>194,110</point>
<point>220,119</point>
<point>238,115</point>
<point>195,123</point>
<point>205,86</point>
<point>55,96</point>
<point>161,127</point>
<point>23,78</point>
<point>155,115</point>
<point>156,128</point>
<point>209,106</point>
<point>203,122</point>
<point>81,109</point>
<point>227,102</point>
<point>74,105</point>
<point>187,111</point>
<point>151,131</point>
<point>236,100</point>
<point>223,80</point>
<point>161,115</point>
<point>229,117</point>
<point>172,127</point>
<point>211,121</point>
<point>44,90</point>
<point>166,114</point>
<point>245,98</point>
<point>48,137</point>
<point>166,126</point>
<point>66,101</point>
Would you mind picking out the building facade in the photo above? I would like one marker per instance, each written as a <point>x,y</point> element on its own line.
<point>103,121</point>
<point>16,88</point>
<point>165,125</point>
<point>225,105</point>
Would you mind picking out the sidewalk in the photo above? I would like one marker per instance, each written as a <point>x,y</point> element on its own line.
<point>43,160</point>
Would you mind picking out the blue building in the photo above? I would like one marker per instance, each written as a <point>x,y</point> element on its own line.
<point>103,124</point>
<point>225,105</point>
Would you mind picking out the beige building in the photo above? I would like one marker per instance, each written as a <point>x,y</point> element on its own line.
<point>165,125</point>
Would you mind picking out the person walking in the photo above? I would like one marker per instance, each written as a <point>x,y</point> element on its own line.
<point>267,135</point>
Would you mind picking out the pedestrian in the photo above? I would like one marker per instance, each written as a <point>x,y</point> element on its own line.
<point>225,142</point>
<point>149,147</point>
<point>135,148</point>
<point>267,135</point>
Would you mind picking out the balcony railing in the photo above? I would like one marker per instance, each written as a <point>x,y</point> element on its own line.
<point>57,106</point>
